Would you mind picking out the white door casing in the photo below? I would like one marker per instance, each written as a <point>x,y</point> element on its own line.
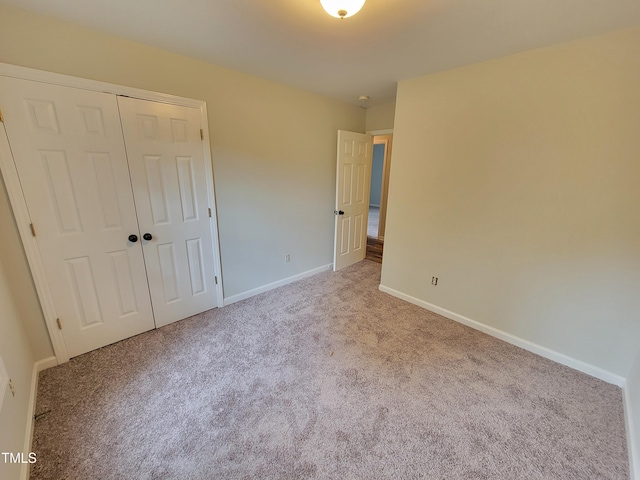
<point>387,141</point>
<point>353,178</point>
<point>167,165</point>
<point>68,150</point>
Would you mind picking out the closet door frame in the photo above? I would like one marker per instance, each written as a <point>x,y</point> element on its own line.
<point>19,205</point>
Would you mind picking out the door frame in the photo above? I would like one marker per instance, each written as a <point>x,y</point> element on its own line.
<point>19,205</point>
<point>385,140</point>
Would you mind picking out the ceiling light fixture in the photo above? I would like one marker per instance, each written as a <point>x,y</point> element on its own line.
<point>342,8</point>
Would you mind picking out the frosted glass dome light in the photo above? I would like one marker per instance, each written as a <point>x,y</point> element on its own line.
<point>342,8</point>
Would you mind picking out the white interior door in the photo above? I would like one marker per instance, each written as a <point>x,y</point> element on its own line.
<point>352,198</point>
<point>68,149</point>
<point>166,161</point>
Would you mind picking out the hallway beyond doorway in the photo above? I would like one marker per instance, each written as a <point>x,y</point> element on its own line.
<point>374,222</point>
<point>375,245</point>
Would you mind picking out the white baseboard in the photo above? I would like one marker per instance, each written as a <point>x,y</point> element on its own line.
<point>512,339</point>
<point>46,363</point>
<point>279,283</point>
<point>632,440</point>
<point>28,437</point>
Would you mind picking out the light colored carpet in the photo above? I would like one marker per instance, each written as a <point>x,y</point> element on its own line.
<point>325,378</point>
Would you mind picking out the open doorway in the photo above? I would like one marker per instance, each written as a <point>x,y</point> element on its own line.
<point>378,196</point>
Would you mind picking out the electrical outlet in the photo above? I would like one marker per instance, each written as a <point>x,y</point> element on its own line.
<point>287,258</point>
<point>434,280</point>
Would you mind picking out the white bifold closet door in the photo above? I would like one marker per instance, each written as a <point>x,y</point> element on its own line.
<point>69,150</point>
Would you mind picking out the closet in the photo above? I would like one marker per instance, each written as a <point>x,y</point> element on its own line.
<point>120,204</point>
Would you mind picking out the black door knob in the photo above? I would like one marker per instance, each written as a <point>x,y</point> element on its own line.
<point>147,236</point>
<point>133,238</point>
<point>340,212</point>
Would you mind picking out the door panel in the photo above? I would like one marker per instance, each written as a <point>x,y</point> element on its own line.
<point>68,149</point>
<point>352,197</point>
<point>168,174</point>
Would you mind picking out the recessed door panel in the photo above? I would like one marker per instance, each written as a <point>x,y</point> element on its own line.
<point>83,285</point>
<point>196,266</point>
<point>363,148</point>
<point>123,280</point>
<point>156,189</point>
<point>92,120</point>
<point>358,240</point>
<point>169,275</point>
<point>61,191</point>
<point>42,115</point>
<point>361,188</point>
<point>347,185</point>
<point>180,130</point>
<point>186,182</point>
<point>168,174</point>
<point>344,237</point>
<point>69,152</point>
<point>348,145</point>
<point>148,127</point>
<point>107,190</point>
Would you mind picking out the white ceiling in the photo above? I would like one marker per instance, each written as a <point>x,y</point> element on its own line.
<point>296,43</point>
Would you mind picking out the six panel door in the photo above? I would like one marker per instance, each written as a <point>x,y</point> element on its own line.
<point>353,178</point>
<point>68,149</point>
<point>166,161</point>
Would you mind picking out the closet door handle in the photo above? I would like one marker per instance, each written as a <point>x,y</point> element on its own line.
<point>133,238</point>
<point>147,236</point>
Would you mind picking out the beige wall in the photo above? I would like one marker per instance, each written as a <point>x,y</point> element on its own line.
<point>19,360</point>
<point>273,146</point>
<point>515,182</point>
<point>380,117</point>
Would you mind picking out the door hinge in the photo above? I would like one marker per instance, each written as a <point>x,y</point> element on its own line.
<point>33,229</point>
<point>201,134</point>
<point>216,279</point>
<point>59,323</point>
<point>209,212</point>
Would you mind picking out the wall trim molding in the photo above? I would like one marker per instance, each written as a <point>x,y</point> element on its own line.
<point>45,363</point>
<point>4,381</point>
<point>545,352</point>
<point>31,410</point>
<point>31,249</point>
<point>386,131</point>
<point>632,441</point>
<point>279,283</point>
<point>26,73</point>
